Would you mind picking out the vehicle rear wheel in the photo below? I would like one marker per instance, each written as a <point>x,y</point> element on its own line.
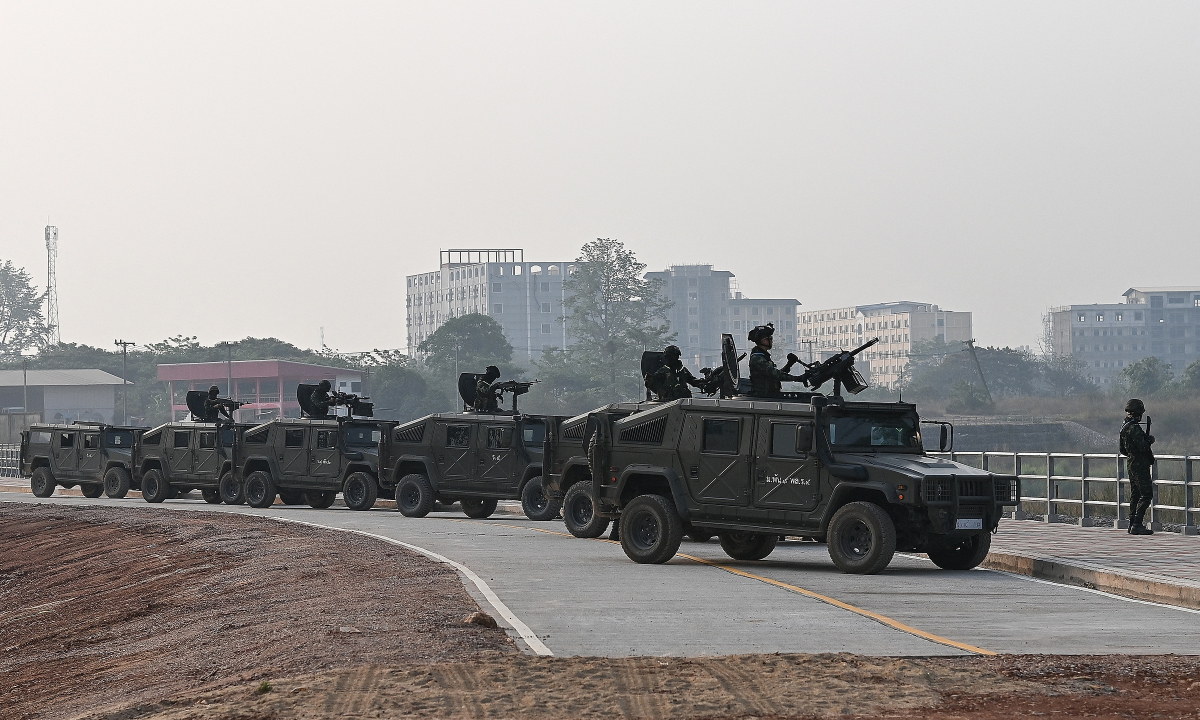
<point>292,497</point>
<point>91,490</point>
<point>212,496</point>
<point>360,491</point>
<point>42,483</point>
<point>414,496</point>
<point>154,488</point>
<point>696,535</point>
<point>960,553</point>
<point>232,490</point>
<point>579,512</point>
<point>536,504</point>
<point>651,529</point>
<point>260,489</point>
<point>862,538</point>
<point>320,499</point>
<point>116,482</point>
<point>478,508</point>
<point>748,546</point>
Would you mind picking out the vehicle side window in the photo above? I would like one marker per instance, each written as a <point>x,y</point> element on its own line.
<point>91,441</point>
<point>227,437</point>
<point>257,438</point>
<point>39,437</point>
<point>293,437</point>
<point>791,439</point>
<point>208,440</point>
<point>152,438</point>
<point>118,438</point>
<point>534,432</point>
<point>499,437</point>
<point>458,436</point>
<point>66,440</point>
<point>721,436</point>
<point>323,438</point>
<point>182,438</point>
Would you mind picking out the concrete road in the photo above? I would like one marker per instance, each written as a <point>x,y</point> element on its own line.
<point>584,597</point>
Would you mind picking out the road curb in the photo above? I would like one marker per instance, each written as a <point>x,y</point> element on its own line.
<point>1140,586</point>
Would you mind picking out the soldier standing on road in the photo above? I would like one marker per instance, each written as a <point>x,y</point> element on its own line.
<point>1135,446</point>
<point>213,407</point>
<point>671,380</point>
<point>320,400</point>
<point>766,380</point>
<point>487,399</point>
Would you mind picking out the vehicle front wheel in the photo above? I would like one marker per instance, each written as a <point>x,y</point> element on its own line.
<point>212,496</point>
<point>116,482</point>
<point>260,489</point>
<point>92,490</point>
<point>360,491</point>
<point>42,483</point>
<point>651,529</point>
<point>414,496</point>
<point>579,512</point>
<point>960,553</point>
<point>536,504</point>
<point>478,508</point>
<point>320,499</point>
<point>154,488</point>
<point>748,546</point>
<point>232,490</point>
<point>862,538</point>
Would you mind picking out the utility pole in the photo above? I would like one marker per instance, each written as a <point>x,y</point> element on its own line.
<point>124,380</point>
<point>971,346</point>
<point>25,384</point>
<point>809,343</point>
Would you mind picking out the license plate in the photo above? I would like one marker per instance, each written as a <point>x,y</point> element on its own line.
<point>969,524</point>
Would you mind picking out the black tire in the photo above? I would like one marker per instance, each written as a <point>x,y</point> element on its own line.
<point>414,496</point>
<point>536,504</point>
<point>862,538</point>
<point>579,512</point>
<point>154,488</point>
<point>320,499</point>
<point>260,489</point>
<point>212,496</point>
<point>116,482</point>
<point>748,546</point>
<point>478,508</point>
<point>651,529</point>
<point>42,483</point>
<point>91,490</point>
<point>360,491</point>
<point>292,497</point>
<point>960,553</point>
<point>700,536</point>
<point>233,492</point>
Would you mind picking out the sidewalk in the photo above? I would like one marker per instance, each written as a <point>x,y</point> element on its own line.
<point>1164,567</point>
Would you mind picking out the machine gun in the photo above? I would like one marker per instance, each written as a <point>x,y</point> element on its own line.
<point>468,384</point>
<point>197,405</point>
<point>355,405</point>
<point>840,369</point>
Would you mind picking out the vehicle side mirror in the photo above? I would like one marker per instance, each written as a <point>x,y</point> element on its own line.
<point>804,438</point>
<point>944,439</point>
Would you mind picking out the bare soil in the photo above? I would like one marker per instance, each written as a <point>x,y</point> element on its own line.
<point>141,614</point>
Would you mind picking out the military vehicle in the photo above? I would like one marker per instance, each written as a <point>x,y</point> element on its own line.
<point>749,470</point>
<point>95,456</point>
<point>476,458</point>
<point>178,457</point>
<point>310,460</point>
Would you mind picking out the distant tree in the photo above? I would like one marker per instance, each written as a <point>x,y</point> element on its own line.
<point>969,399</point>
<point>476,340</point>
<point>1147,376</point>
<point>21,324</point>
<point>1190,380</point>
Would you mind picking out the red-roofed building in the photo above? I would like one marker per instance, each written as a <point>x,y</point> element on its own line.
<point>268,387</point>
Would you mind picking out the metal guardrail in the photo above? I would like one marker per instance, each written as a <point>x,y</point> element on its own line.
<point>10,461</point>
<point>1093,487</point>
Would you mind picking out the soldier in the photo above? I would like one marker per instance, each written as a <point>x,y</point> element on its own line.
<point>766,379</point>
<point>214,408</point>
<point>320,400</point>
<point>1135,446</point>
<point>670,382</point>
<point>486,398</point>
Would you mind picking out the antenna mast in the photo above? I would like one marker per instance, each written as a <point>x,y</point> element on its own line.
<point>52,284</point>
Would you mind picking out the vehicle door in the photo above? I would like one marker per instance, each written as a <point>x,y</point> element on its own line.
<point>718,468</point>
<point>324,458</point>
<point>786,476</point>
<point>91,457</point>
<point>455,459</point>
<point>293,456</point>
<point>179,453</point>
<point>208,459</point>
<point>66,452</point>
<point>497,460</point>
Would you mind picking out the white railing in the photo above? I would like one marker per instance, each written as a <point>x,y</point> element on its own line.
<point>1093,489</point>
<point>10,460</point>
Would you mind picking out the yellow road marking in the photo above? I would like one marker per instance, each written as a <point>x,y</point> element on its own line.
<point>882,619</point>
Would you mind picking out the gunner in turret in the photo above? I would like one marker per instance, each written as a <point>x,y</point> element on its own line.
<point>766,380</point>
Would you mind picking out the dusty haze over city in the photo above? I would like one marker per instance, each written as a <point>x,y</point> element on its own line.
<point>266,169</point>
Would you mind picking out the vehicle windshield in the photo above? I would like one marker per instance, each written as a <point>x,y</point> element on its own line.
<point>875,431</point>
<point>118,438</point>
<point>533,432</point>
<point>362,435</point>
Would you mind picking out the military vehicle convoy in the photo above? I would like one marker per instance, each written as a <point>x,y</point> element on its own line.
<point>95,456</point>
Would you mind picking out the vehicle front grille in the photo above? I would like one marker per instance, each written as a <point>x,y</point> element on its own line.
<point>412,434</point>
<point>575,432</point>
<point>972,510</point>
<point>939,489</point>
<point>648,432</point>
<point>975,487</point>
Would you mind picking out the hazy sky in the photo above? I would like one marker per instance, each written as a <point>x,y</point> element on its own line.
<point>234,169</point>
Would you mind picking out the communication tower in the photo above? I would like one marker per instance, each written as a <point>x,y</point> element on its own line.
<point>52,284</point>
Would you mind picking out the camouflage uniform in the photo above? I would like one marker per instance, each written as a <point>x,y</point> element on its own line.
<point>485,396</point>
<point>214,408</point>
<point>320,401</point>
<point>766,380</point>
<point>672,380</point>
<point>1135,446</point>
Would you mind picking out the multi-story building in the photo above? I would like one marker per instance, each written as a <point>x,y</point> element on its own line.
<point>1162,322</point>
<point>707,304</point>
<point>526,298</point>
<point>897,325</point>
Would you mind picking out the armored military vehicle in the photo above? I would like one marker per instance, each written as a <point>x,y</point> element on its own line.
<point>852,474</point>
<point>95,456</point>
<point>311,460</point>
<point>181,456</point>
<point>476,458</point>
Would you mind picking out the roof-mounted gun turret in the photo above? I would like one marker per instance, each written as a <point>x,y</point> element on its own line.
<point>727,379</point>
<point>355,405</point>
<point>468,386</point>
<point>196,400</point>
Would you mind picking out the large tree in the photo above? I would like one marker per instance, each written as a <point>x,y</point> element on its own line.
<point>1147,376</point>
<point>21,323</point>
<point>471,341</point>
